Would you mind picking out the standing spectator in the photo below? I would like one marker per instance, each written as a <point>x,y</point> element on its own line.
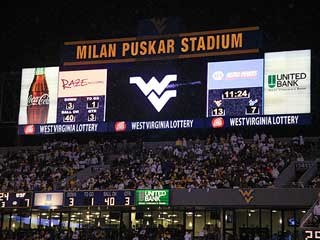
<point>187,236</point>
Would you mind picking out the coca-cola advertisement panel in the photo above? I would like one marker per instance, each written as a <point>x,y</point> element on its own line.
<point>38,98</point>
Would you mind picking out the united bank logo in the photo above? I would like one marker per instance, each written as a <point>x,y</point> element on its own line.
<point>156,91</point>
<point>272,81</point>
<point>286,80</point>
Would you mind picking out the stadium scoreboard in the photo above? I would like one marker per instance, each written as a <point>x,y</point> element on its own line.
<point>99,198</point>
<point>96,198</point>
<point>169,82</point>
<point>15,200</point>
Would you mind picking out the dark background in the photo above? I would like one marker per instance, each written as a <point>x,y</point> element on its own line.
<point>127,102</point>
<point>32,35</point>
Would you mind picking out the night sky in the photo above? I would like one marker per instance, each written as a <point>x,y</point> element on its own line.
<point>33,35</point>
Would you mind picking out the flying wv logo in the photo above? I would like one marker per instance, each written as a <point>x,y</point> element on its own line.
<point>247,195</point>
<point>153,89</point>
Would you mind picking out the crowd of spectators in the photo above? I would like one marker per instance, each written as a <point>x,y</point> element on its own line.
<point>41,169</point>
<point>227,161</point>
<point>217,162</point>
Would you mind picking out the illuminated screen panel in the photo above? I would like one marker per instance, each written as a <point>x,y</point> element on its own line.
<point>152,197</point>
<point>48,199</point>
<point>82,96</point>
<point>99,198</point>
<point>234,88</point>
<point>15,199</point>
<point>156,91</point>
<point>169,94</point>
<point>41,107</point>
<point>287,82</point>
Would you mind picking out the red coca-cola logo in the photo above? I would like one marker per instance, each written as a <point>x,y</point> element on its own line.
<point>217,122</point>
<point>39,100</point>
<point>120,126</point>
<point>29,129</point>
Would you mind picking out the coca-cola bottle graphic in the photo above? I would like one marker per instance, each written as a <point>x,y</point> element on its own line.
<point>38,98</point>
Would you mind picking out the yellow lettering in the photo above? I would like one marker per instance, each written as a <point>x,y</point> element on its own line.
<point>161,47</point>
<point>134,48</point>
<point>170,43</point>
<point>201,44</point>
<point>125,48</point>
<point>210,43</point>
<point>184,45</point>
<point>103,51</point>
<point>218,42</point>
<point>81,52</point>
<point>151,49</point>
<point>236,40</point>
<point>143,48</point>
<point>89,51</point>
<point>112,50</point>
<point>193,42</point>
<point>225,41</point>
<point>94,52</point>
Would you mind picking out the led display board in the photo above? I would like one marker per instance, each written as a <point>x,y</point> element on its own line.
<point>15,199</point>
<point>169,82</point>
<point>99,198</point>
<point>48,199</point>
<point>287,82</point>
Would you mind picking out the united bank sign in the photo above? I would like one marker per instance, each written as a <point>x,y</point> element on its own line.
<point>152,197</point>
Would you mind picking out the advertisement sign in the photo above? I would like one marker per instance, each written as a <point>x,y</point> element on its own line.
<point>152,197</point>
<point>48,199</point>
<point>81,96</point>
<point>38,98</point>
<point>234,88</point>
<point>82,83</point>
<point>287,82</point>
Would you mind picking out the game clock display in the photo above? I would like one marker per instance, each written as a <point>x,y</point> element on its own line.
<point>235,102</point>
<point>235,88</point>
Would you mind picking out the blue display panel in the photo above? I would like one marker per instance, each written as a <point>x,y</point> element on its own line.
<point>99,198</point>
<point>235,88</point>
<point>15,200</point>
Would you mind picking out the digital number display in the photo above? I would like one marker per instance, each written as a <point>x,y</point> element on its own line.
<point>69,118</point>
<point>92,103</point>
<point>219,111</point>
<point>238,93</point>
<point>69,105</point>
<point>311,234</point>
<point>235,88</point>
<point>15,200</point>
<point>99,198</point>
